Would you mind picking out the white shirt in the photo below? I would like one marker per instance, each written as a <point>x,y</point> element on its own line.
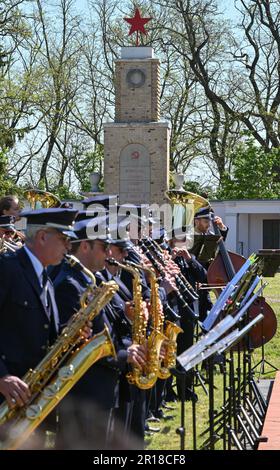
<point>37,265</point>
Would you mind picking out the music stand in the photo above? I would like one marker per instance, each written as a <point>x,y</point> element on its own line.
<point>271,262</point>
<point>241,333</point>
<point>206,351</point>
<point>204,247</point>
<point>262,362</point>
<point>207,340</point>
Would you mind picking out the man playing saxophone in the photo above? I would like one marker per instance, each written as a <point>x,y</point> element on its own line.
<point>95,396</point>
<point>29,320</point>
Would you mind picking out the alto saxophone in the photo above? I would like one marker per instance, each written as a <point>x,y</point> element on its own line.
<point>171,332</point>
<point>160,333</point>
<point>65,363</point>
<point>147,377</point>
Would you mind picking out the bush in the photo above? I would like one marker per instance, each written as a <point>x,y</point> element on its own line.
<point>255,174</point>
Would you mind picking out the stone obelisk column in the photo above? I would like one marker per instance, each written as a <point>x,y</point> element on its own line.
<point>136,164</point>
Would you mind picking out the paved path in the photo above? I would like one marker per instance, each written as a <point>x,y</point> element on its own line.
<point>271,427</point>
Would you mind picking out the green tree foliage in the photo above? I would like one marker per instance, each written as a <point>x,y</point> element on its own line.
<point>254,174</point>
<point>197,188</point>
<point>7,185</point>
<point>87,164</point>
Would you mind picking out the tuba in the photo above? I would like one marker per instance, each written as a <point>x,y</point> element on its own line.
<point>65,363</point>
<point>181,197</point>
<point>38,199</point>
<point>185,205</point>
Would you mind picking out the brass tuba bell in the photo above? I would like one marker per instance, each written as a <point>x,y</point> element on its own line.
<point>185,205</point>
<point>181,197</point>
<point>41,199</point>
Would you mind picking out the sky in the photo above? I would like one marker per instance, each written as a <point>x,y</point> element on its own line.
<point>227,7</point>
<point>196,169</point>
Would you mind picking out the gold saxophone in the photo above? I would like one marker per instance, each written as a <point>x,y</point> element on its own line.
<point>147,377</point>
<point>157,335</point>
<point>65,363</point>
<point>169,333</point>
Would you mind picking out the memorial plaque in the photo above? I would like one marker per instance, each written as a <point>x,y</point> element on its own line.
<point>135,174</point>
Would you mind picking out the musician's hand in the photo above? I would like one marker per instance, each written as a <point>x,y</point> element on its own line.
<point>166,255</point>
<point>220,223</point>
<point>14,390</point>
<point>146,263</point>
<point>86,332</point>
<point>172,268</point>
<point>137,354</point>
<point>198,286</point>
<point>183,252</point>
<point>174,253</point>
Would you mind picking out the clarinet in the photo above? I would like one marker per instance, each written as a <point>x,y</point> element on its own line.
<point>160,269</point>
<point>159,252</point>
<point>152,259</point>
<point>185,287</point>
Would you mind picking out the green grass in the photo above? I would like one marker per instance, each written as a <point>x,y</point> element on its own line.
<point>167,437</point>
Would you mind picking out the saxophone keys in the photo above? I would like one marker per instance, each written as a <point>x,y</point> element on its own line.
<point>51,391</point>
<point>33,411</point>
<point>66,372</point>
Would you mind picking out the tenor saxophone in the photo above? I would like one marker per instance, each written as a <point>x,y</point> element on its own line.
<point>147,377</point>
<point>64,364</point>
<point>160,332</point>
<point>157,335</point>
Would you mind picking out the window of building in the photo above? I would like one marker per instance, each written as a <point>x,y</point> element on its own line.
<point>271,234</point>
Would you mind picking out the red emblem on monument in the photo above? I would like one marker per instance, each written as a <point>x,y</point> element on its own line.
<point>135,155</point>
<point>137,24</point>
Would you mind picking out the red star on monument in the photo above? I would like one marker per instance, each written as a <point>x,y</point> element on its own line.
<point>137,24</point>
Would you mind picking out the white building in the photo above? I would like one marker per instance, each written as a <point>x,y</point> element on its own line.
<point>253,224</point>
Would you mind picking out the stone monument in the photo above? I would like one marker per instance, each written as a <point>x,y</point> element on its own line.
<point>136,156</point>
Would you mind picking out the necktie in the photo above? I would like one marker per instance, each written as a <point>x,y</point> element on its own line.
<point>124,292</point>
<point>48,306</point>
